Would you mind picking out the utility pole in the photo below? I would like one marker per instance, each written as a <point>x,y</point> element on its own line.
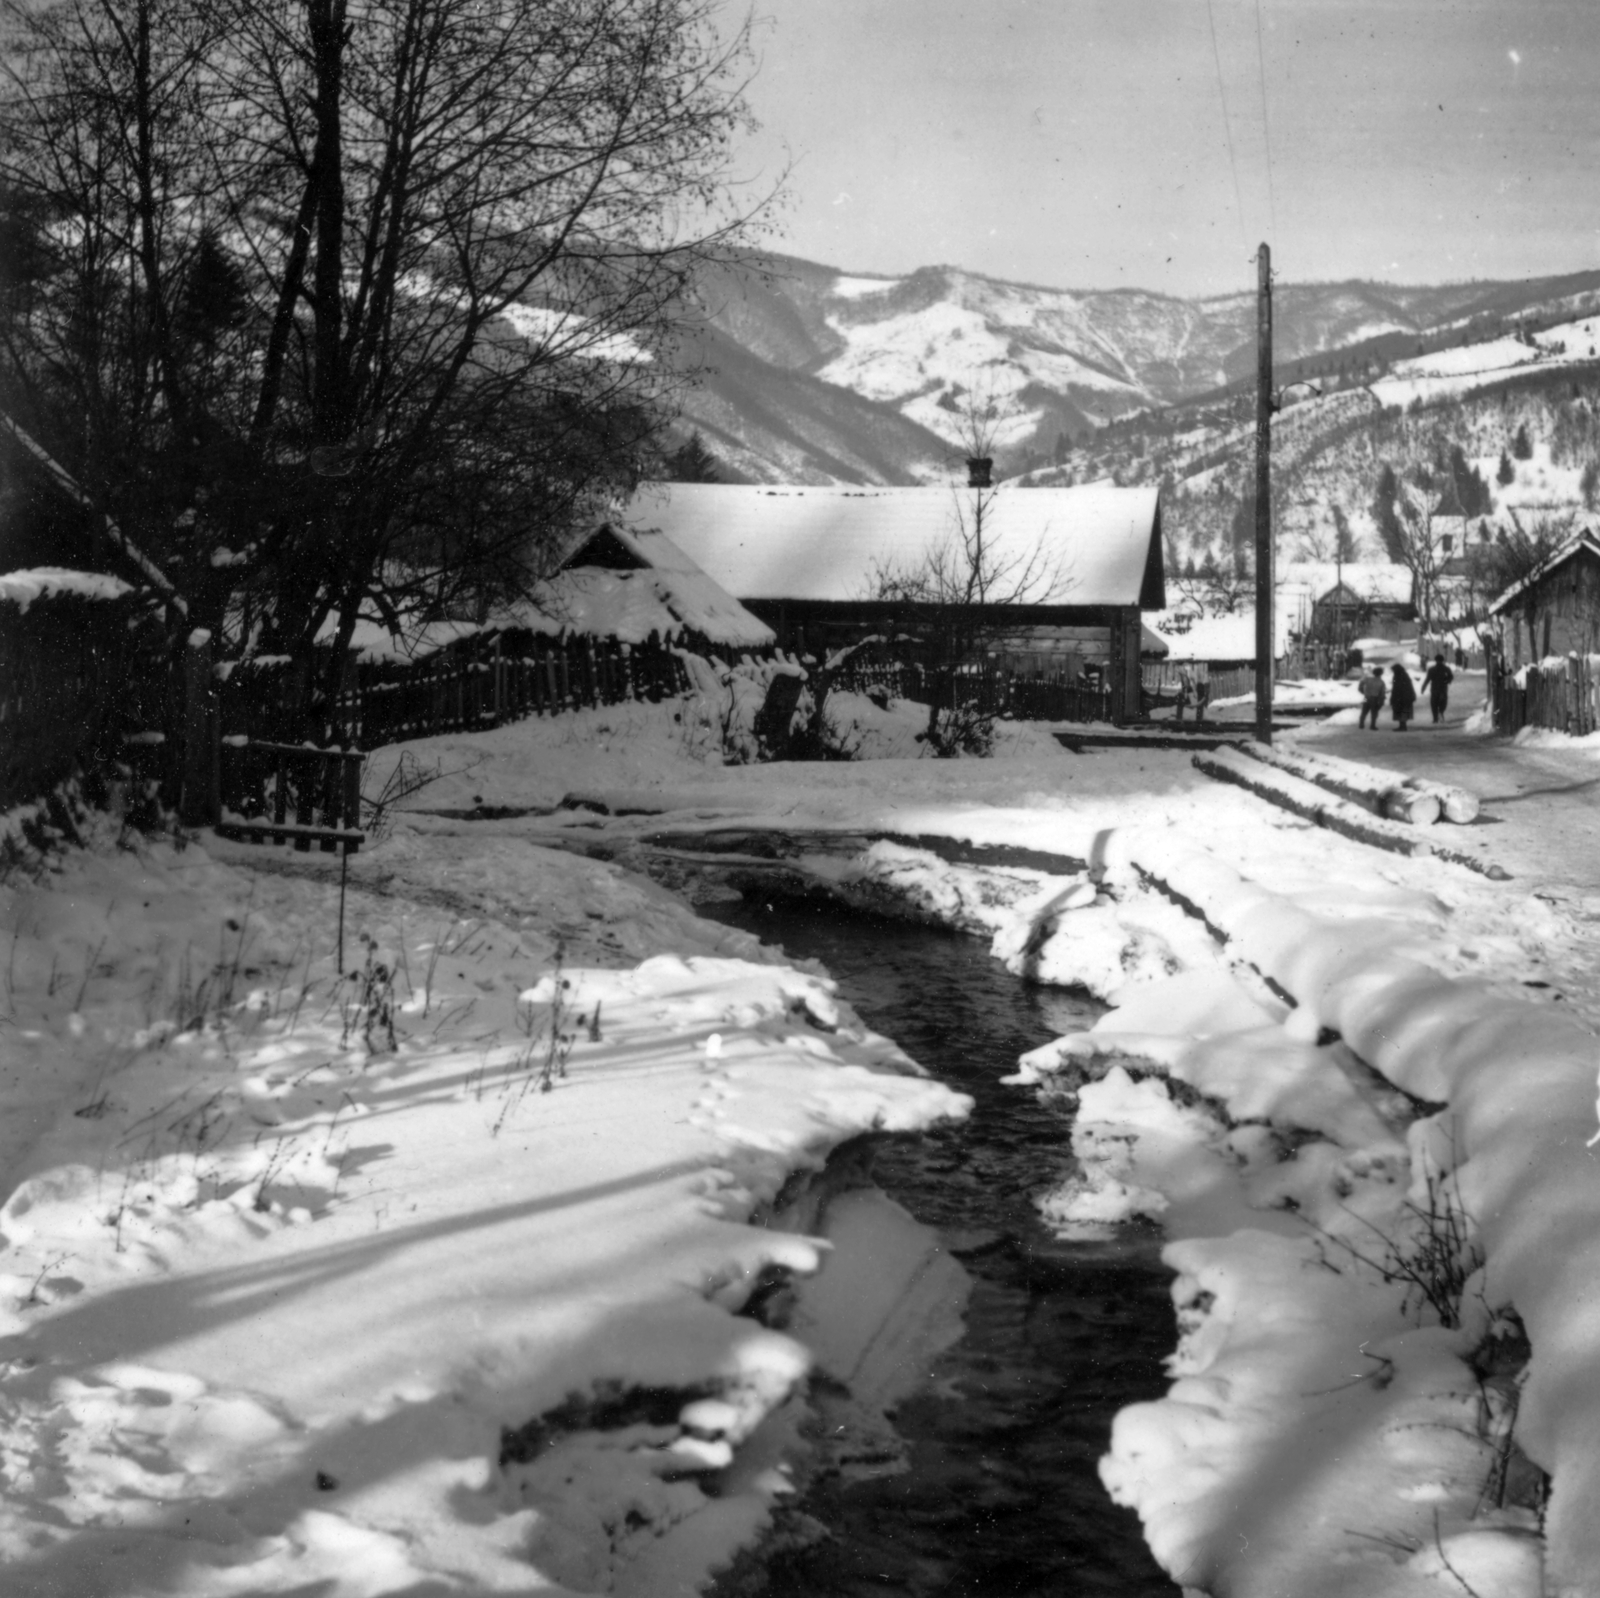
<point>1264,628</point>
<point>1338,604</point>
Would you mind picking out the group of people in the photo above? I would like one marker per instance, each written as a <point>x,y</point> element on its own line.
<point>1402,693</point>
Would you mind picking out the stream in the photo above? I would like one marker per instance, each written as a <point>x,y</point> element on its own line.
<point>1001,1497</point>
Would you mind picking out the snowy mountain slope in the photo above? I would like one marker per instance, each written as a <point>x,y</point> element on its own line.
<point>1056,364</point>
<point>1470,367</point>
<point>1330,450</point>
<point>765,424</point>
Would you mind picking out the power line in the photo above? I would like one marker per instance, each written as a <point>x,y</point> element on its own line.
<point>1227,126</point>
<point>1266,135</point>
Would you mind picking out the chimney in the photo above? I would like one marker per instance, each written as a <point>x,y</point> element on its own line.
<point>979,468</point>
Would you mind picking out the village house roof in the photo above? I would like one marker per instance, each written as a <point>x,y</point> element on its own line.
<point>1100,544</point>
<point>1219,639</point>
<point>1588,539</point>
<point>1379,584</point>
<point>616,583</point>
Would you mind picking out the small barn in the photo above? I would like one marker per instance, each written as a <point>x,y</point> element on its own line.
<point>818,564</point>
<point>1555,609</point>
<point>1377,603</point>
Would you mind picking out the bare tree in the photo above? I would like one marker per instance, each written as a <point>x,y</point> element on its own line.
<point>954,605</point>
<point>1325,543</point>
<point>352,302</point>
<point>1218,590</point>
<point>1421,550</point>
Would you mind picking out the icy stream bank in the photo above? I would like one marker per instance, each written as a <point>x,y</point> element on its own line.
<point>1377,1185</point>
<point>987,1480</point>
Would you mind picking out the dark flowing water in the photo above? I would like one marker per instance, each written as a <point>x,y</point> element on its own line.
<point>1002,1496</point>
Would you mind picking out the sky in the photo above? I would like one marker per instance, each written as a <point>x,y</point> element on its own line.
<point>1155,143</point>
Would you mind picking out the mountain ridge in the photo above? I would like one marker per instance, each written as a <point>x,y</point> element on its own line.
<point>804,368</point>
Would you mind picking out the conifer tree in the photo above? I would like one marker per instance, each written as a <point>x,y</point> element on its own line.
<point>1383,512</point>
<point>692,462</point>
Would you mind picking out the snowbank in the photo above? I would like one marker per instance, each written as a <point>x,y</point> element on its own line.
<point>425,1277</point>
<point>1288,1335</point>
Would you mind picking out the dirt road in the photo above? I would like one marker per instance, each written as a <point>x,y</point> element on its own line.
<point>1541,807</point>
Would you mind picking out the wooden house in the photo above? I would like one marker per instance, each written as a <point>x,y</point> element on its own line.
<point>1369,602</point>
<point>1555,609</point>
<point>819,564</point>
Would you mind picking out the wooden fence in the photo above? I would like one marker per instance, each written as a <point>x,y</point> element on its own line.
<point>80,678</point>
<point>1159,680</point>
<point>91,685</point>
<point>478,681</point>
<point>1564,696</point>
<point>289,793</point>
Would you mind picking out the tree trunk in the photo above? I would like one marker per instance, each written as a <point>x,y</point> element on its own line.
<point>326,21</point>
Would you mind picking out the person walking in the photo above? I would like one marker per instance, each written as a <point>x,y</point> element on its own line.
<point>1437,680</point>
<point>1372,693</point>
<point>1185,689</point>
<point>1402,695</point>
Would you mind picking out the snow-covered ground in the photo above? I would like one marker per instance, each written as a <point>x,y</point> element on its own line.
<point>1538,487</point>
<point>1470,366</point>
<point>293,1303</point>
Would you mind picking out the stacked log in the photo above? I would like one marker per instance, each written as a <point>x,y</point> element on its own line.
<point>1314,803</point>
<point>1415,801</point>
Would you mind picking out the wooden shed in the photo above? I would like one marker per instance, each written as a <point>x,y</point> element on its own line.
<point>813,562</point>
<point>1555,609</point>
<point>1378,604</point>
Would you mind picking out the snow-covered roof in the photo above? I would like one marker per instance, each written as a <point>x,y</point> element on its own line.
<point>1385,583</point>
<point>591,601</point>
<point>630,605</point>
<point>644,547</point>
<point>647,586</point>
<point>119,540</point>
<point>1100,542</point>
<point>23,587</point>
<point>1587,539</point>
<point>1222,637</point>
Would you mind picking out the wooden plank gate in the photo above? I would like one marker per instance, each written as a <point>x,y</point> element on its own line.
<point>259,790</point>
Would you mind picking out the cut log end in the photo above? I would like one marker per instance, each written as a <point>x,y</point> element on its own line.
<point>1411,805</point>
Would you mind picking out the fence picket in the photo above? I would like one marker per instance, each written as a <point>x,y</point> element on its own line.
<point>1564,697</point>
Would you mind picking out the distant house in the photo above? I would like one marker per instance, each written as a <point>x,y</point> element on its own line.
<point>1555,609</point>
<point>810,562</point>
<point>1377,604</point>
